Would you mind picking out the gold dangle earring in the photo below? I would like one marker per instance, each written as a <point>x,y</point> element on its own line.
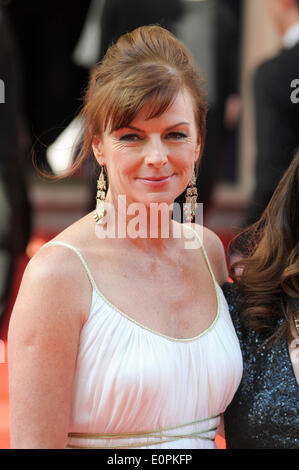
<point>191,199</point>
<point>101,196</point>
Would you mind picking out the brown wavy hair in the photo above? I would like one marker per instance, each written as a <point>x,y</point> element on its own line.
<point>269,249</point>
<point>147,65</point>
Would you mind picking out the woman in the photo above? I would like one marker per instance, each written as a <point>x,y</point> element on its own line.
<point>131,354</point>
<point>264,304</point>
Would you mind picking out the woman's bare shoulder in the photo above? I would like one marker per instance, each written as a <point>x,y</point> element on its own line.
<point>57,256</point>
<point>56,271</point>
<point>215,252</point>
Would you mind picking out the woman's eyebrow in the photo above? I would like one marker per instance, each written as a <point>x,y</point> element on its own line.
<point>178,124</point>
<point>133,128</point>
<point>167,129</point>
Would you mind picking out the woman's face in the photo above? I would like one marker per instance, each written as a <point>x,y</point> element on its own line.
<point>151,161</point>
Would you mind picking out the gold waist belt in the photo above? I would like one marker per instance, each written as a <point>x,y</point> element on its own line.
<point>160,436</point>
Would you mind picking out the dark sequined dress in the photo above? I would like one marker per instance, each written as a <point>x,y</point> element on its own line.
<point>264,413</point>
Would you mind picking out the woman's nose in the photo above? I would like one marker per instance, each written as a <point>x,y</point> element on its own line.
<point>156,153</point>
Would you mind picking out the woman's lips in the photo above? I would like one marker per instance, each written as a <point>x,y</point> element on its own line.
<point>155,180</point>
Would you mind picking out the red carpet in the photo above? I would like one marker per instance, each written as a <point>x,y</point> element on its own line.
<point>34,245</point>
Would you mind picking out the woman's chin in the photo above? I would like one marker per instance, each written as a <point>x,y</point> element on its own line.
<point>158,199</point>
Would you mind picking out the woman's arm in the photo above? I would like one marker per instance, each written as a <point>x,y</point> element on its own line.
<point>42,347</point>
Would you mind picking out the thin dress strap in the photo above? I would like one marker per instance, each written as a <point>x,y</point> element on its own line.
<point>80,256</point>
<point>204,252</point>
<point>215,283</point>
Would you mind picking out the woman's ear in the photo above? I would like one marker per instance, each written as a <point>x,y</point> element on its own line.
<point>97,148</point>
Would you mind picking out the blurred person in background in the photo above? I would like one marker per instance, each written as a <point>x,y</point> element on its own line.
<point>276,115</point>
<point>123,16</point>
<point>211,31</point>
<point>15,208</point>
<point>47,32</point>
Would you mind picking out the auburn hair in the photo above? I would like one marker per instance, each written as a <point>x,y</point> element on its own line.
<point>147,65</point>
<point>269,282</point>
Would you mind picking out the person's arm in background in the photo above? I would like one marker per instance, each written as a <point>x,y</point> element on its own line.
<point>274,134</point>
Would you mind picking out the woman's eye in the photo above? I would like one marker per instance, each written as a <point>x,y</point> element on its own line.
<point>176,135</point>
<point>130,138</point>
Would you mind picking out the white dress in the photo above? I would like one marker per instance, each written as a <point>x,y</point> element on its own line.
<point>137,388</point>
